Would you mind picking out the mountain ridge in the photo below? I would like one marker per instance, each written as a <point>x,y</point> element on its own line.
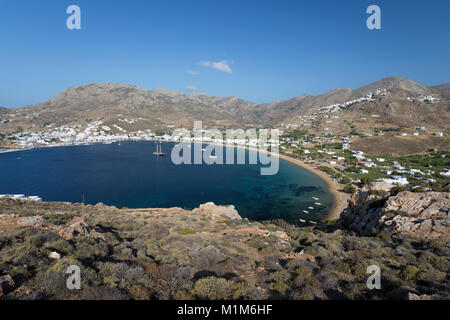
<point>160,108</point>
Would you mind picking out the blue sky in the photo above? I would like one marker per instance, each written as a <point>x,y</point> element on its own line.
<point>274,49</point>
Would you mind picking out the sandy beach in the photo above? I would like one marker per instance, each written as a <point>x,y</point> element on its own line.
<point>340,198</point>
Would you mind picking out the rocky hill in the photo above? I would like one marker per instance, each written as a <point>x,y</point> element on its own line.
<point>151,109</point>
<point>444,90</point>
<point>161,107</point>
<point>422,216</point>
<point>397,86</point>
<point>379,111</point>
<point>206,253</point>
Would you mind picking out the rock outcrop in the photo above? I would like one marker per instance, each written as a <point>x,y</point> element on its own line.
<point>79,227</point>
<point>220,212</point>
<point>422,216</point>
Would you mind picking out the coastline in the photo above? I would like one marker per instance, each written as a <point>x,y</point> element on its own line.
<point>339,198</point>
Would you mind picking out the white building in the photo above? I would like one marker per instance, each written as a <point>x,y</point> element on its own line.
<point>445,173</point>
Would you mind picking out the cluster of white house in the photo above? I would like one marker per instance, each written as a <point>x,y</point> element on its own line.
<point>427,98</point>
<point>416,134</point>
<point>97,132</point>
<point>20,197</point>
<point>366,98</point>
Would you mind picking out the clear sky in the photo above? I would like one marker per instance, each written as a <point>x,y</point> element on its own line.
<point>253,49</point>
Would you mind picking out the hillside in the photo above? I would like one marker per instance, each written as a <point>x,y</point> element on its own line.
<point>387,107</point>
<point>444,90</point>
<point>209,253</point>
<point>111,102</point>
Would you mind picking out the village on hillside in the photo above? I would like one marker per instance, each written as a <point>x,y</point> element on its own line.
<point>330,152</point>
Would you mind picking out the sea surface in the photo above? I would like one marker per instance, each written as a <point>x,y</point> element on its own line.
<point>127,174</point>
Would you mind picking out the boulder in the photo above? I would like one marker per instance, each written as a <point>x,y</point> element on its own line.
<point>423,216</point>
<point>54,255</point>
<point>221,212</point>
<point>413,296</point>
<point>6,284</point>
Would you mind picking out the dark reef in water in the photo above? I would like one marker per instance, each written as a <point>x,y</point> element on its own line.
<point>300,191</point>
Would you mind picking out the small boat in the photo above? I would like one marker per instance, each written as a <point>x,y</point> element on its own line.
<point>158,151</point>
<point>311,208</point>
<point>315,198</point>
<point>304,211</point>
<point>301,220</point>
<point>317,203</point>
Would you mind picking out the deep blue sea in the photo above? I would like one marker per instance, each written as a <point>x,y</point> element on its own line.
<point>128,175</point>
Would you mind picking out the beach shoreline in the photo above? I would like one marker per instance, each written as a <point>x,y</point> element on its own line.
<point>339,198</point>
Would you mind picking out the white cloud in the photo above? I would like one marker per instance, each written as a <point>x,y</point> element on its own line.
<point>193,72</point>
<point>191,88</point>
<point>221,65</point>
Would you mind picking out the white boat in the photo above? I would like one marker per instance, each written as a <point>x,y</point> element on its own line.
<point>304,211</point>
<point>311,208</point>
<point>34,198</point>
<point>315,198</point>
<point>317,203</point>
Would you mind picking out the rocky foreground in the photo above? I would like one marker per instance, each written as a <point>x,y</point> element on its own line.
<point>422,216</point>
<point>212,253</point>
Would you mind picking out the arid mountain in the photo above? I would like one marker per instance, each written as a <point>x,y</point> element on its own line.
<point>397,86</point>
<point>444,90</point>
<point>133,108</point>
<point>391,107</point>
<point>155,108</point>
<point>279,111</point>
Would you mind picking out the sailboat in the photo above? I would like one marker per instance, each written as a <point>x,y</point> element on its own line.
<point>158,151</point>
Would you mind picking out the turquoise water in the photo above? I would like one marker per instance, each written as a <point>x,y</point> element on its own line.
<point>128,175</point>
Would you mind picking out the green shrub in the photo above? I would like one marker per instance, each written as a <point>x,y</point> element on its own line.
<point>213,288</point>
<point>186,231</point>
<point>410,272</point>
<point>349,189</point>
